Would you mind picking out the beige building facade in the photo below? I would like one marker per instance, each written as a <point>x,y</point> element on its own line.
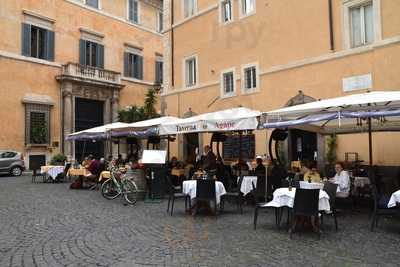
<point>66,65</point>
<point>266,54</point>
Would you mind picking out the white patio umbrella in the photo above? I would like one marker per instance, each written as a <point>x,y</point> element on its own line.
<point>96,132</point>
<point>342,114</point>
<point>234,119</point>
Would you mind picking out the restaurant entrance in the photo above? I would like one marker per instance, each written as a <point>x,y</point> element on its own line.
<point>302,145</point>
<point>190,143</point>
<point>88,114</point>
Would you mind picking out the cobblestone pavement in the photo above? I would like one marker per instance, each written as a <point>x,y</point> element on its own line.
<point>50,225</point>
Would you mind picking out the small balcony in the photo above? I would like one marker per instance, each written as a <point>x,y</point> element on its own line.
<point>91,75</point>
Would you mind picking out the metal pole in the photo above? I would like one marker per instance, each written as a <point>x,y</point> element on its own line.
<point>240,154</point>
<point>370,141</point>
<point>168,147</point>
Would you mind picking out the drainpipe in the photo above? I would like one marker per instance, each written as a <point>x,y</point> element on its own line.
<point>331,36</point>
<point>172,44</point>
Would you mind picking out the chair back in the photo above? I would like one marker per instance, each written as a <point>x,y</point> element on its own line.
<point>169,185</point>
<point>330,189</point>
<point>66,168</point>
<point>306,202</point>
<point>205,190</point>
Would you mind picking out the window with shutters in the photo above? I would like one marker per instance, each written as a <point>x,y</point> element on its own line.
<point>226,11</point>
<point>37,124</point>
<point>190,71</point>
<point>247,7</point>
<point>361,25</point>
<point>133,65</point>
<point>250,78</point>
<point>228,83</point>
<point>189,8</point>
<point>91,54</point>
<point>133,11</point>
<point>93,3</point>
<point>37,42</point>
<point>159,72</point>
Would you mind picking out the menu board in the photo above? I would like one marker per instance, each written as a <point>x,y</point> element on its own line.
<point>231,147</point>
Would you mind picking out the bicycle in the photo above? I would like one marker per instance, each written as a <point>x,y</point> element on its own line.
<point>119,184</point>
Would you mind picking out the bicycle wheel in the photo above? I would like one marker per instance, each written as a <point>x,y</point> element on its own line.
<point>109,190</point>
<point>129,191</point>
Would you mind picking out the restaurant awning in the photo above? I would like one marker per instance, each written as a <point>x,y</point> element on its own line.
<point>95,133</point>
<point>234,119</point>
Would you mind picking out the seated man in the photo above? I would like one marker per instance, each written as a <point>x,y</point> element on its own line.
<point>93,168</point>
<point>342,179</point>
<point>312,175</point>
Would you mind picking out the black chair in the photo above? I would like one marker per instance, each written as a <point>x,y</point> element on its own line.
<point>262,206</point>
<point>175,193</point>
<point>305,204</point>
<point>205,191</point>
<point>380,207</point>
<point>63,176</point>
<point>331,189</point>
<point>234,194</point>
<point>36,173</point>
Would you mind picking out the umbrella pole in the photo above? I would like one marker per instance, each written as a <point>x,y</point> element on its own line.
<point>370,141</point>
<point>240,154</point>
<point>168,147</point>
<point>83,151</point>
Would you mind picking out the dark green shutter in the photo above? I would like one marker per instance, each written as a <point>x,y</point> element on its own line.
<point>126,64</point>
<point>82,52</point>
<point>26,40</point>
<point>50,45</point>
<point>100,56</point>
<point>140,68</point>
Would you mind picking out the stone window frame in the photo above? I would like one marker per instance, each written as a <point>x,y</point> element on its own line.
<point>40,108</point>
<point>222,12</point>
<point>139,12</point>
<point>222,88</point>
<point>243,78</point>
<point>244,15</point>
<point>346,25</point>
<point>195,9</point>
<point>185,71</point>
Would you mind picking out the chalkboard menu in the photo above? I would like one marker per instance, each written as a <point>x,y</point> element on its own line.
<point>231,147</point>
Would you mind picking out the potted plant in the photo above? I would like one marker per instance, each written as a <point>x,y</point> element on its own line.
<point>58,160</point>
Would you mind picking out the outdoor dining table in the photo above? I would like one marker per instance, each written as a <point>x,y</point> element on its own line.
<point>394,199</point>
<point>247,184</point>
<point>189,187</point>
<point>283,197</point>
<point>78,172</point>
<point>52,171</point>
<point>307,185</point>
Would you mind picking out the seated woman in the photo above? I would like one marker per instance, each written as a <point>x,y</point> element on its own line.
<point>312,175</point>
<point>342,179</point>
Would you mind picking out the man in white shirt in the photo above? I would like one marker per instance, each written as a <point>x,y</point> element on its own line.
<point>342,179</point>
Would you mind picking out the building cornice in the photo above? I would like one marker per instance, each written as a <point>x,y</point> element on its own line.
<point>101,12</point>
<point>132,80</point>
<point>14,56</point>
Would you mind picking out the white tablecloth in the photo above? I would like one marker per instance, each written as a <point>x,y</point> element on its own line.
<point>246,185</point>
<point>52,171</point>
<point>285,198</point>
<point>189,187</point>
<point>307,185</point>
<point>361,181</point>
<point>394,199</point>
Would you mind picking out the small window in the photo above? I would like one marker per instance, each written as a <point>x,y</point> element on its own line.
<point>133,11</point>
<point>133,65</point>
<point>250,78</point>
<point>248,7</point>
<point>226,11</point>
<point>37,124</point>
<point>160,23</point>
<point>191,72</point>
<point>361,25</point>
<point>159,72</point>
<point>92,3</point>
<point>189,7</point>
<point>37,42</point>
<point>228,83</point>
